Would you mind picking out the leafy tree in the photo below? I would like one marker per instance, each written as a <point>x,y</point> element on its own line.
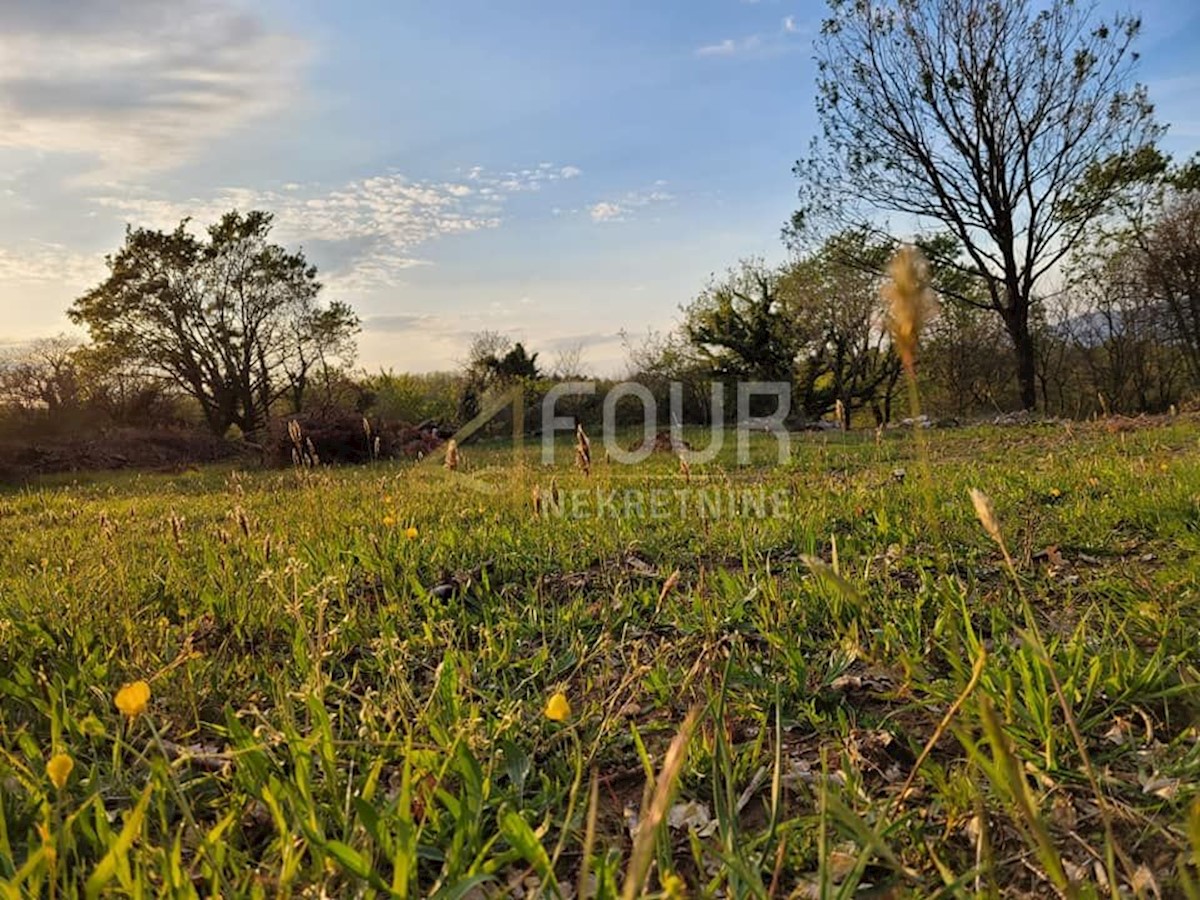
<point>514,365</point>
<point>981,117</point>
<point>232,319</point>
<point>814,323</point>
<point>1152,234</point>
<point>846,354</point>
<point>741,326</point>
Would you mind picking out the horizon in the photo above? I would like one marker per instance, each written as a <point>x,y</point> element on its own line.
<point>558,175</point>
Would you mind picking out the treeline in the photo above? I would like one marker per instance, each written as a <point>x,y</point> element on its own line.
<point>1012,139</point>
<point>226,334</point>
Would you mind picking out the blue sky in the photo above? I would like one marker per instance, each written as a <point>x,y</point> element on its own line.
<point>557,171</point>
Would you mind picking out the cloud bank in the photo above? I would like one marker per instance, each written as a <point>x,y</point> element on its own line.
<point>136,85</point>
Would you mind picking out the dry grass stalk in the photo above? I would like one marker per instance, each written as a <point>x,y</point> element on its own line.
<point>536,495</point>
<point>451,462</point>
<point>839,410</point>
<point>242,519</point>
<point>177,529</point>
<point>987,517</point>
<point>976,674</point>
<point>304,454</point>
<point>655,811</point>
<point>583,450</point>
<point>910,301</point>
<point>669,585</point>
<point>685,469</point>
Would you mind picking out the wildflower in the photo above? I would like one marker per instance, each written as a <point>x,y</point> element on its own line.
<point>558,708</point>
<point>411,532</point>
<point>1055,493</point>
<point>673,886</point>
<point>389,521</point>
<point>132,698</point>
<point>59,769</point>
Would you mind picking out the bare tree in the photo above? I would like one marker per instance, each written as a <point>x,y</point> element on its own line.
<point>979,116</point>
<point>568,363</point>
<point>41,375</point>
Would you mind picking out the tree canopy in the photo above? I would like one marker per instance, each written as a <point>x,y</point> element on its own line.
<point>980,117</point>
<point>231,318</point>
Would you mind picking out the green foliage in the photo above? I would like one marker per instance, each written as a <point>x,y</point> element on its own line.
<point>232,321</point>
<point>345,706</point>
<point>981,118</point>
<point>405,397</point>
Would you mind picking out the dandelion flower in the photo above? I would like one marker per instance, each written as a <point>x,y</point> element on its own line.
<point>411,532</point>
<point>59,769</point>
<point>558,708</point>
<point>132,698</point>
<point>389,521</point>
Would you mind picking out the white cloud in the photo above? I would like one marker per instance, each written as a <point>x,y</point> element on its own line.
<point>53,264</point>
<point>727,47</point>
<point>606,212</point>
<point>620,209</point>
<point>759,45</point>
<point>132,85</point>
<point>363,234</point>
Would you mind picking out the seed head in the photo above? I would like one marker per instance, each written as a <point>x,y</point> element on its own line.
<point>910,300</point>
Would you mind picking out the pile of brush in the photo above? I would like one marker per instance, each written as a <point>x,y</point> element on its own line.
<point>343,439</point>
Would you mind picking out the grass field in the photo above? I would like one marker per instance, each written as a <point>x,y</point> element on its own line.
<point>831,680</point>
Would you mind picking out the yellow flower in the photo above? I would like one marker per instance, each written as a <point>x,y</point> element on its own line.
<point>59,769</point>
<point>389,521</point>
<point>673,886</point>
<point>1055,493</point>
<point>132,698</point>
<point>558,709</point>
<point>411,532</point>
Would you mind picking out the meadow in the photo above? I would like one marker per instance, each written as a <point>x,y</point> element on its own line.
<point>834,677</point>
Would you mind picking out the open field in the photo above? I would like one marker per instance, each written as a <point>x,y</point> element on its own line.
<point>350,669</point>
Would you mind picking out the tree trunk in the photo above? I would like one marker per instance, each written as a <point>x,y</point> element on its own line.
<point>1017,324</point>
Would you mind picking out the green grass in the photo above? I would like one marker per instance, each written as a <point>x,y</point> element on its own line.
<point>338,707</point>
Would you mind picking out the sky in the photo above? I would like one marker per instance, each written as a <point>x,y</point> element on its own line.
<point>557,171</point>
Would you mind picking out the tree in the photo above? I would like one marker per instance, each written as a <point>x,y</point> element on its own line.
<point>979,116</point>
<point>814,323</point>
<point>231,319</point>
<point>741,327</point>
<point>515,365</point>
<point>846,354</point>
<point>42,375</point>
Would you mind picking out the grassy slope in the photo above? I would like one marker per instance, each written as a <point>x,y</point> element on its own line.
<point>319,719</point>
